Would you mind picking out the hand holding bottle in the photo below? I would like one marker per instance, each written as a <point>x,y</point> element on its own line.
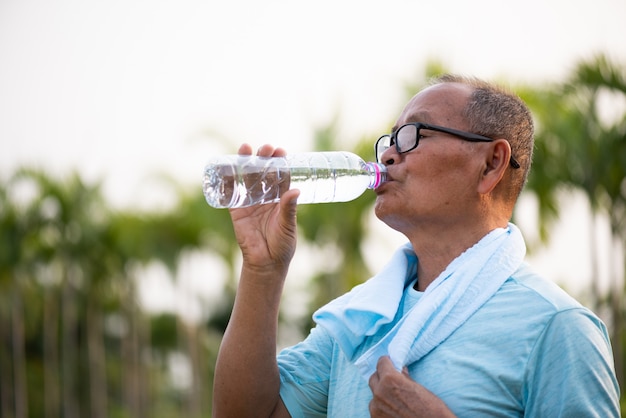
<point>267,233</point>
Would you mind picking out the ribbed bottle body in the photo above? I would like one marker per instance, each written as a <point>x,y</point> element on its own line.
<point>234,181</point>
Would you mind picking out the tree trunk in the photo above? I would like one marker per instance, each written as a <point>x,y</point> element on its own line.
<point>134,383</point>
<point>6,369</point>
<point>69,353</point>
<point>595,275</point>
<point>50,329</point>
<point>617,291</point>
<point>130,367</point>
<point>19,356</point>
<point>196,391</point>
<point>97,362</point>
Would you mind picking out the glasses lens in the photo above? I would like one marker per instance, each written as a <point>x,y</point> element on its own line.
<point>382,145</point>
<point>406,137</point>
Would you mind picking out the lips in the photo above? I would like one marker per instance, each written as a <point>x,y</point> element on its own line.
<point>389,177</point>
<point>384,184</point>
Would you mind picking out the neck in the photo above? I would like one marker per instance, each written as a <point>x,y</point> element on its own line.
<point>436,247</point>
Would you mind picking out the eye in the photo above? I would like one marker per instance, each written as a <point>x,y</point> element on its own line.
<point>425,133</point>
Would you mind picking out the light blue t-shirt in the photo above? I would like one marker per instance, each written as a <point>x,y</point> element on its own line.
<point>530,351</point>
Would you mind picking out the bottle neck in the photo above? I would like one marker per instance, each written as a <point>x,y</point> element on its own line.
<point>378,174</point>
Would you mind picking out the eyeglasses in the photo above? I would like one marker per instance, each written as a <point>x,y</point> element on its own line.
<point>407,138</point>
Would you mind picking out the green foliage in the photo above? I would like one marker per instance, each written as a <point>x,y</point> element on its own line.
<point>574,147</point>
<point>69,322</point>
<point>163,332</point>
<point>579,147</point>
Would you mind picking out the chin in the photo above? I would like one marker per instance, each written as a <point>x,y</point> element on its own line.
<point>382,210</point>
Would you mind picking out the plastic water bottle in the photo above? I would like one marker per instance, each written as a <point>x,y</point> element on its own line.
<point>236,181</point>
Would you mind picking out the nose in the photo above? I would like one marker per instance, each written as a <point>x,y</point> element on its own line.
<point>389,156</point>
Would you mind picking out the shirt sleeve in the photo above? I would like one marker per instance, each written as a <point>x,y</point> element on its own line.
<point>571,372</point>
<point>304,375</point>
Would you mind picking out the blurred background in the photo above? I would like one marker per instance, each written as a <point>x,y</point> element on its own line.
<point>117,279</point>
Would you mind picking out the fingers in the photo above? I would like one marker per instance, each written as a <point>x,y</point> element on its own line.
<point>387,386</point>
<point>385,368</point>
<point>265,150</point>
<point>245,149</point>
<point>385,365</point>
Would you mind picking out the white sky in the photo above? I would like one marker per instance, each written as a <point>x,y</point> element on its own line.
<point>122,89</point>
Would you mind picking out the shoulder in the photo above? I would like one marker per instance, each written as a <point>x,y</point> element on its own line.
<point>535,292</point>
<point>569,363</point>
<point>530,307</point>
<point>538,298</point>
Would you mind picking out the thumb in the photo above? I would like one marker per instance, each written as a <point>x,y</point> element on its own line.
<point>288,204</point>
<point>405,371</point>
<point>289,199</point>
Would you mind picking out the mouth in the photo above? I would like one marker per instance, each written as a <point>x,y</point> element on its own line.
<point>389,178</point>
<point>380,189</point>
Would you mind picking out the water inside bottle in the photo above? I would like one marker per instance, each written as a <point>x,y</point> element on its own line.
<point>240,181</point>
<point>227,187</point>
<point>325,184</point>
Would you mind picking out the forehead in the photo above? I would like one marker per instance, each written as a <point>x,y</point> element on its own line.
<point>440,104</point>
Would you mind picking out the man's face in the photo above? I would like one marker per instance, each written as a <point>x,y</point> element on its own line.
<point>436,181</point>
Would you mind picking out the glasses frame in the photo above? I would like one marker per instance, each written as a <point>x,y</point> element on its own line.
<point>467,136</point>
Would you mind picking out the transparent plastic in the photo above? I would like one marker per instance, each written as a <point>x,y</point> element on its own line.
<point>236,181</point>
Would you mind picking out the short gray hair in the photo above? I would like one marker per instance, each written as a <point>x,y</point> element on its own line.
<point>495,112</point>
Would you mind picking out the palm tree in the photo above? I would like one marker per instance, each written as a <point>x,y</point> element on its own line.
<point>73,213</point>
<point>167,237</point>
<point>601,171</point>
<point>578,148</point>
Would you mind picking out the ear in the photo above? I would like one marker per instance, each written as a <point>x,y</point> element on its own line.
<point>497,159</point>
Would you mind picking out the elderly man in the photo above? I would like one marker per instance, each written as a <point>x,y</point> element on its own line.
<point>457,324</point>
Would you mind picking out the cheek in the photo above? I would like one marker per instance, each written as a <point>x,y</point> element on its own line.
<point>442,182</point>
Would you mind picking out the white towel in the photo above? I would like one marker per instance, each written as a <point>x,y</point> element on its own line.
<point>466,284</point>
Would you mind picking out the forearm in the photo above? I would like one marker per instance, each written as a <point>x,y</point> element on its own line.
<point>247,382</point>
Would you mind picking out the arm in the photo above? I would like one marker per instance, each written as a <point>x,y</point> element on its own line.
<point>247,381</point>
<point>570,372</point>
